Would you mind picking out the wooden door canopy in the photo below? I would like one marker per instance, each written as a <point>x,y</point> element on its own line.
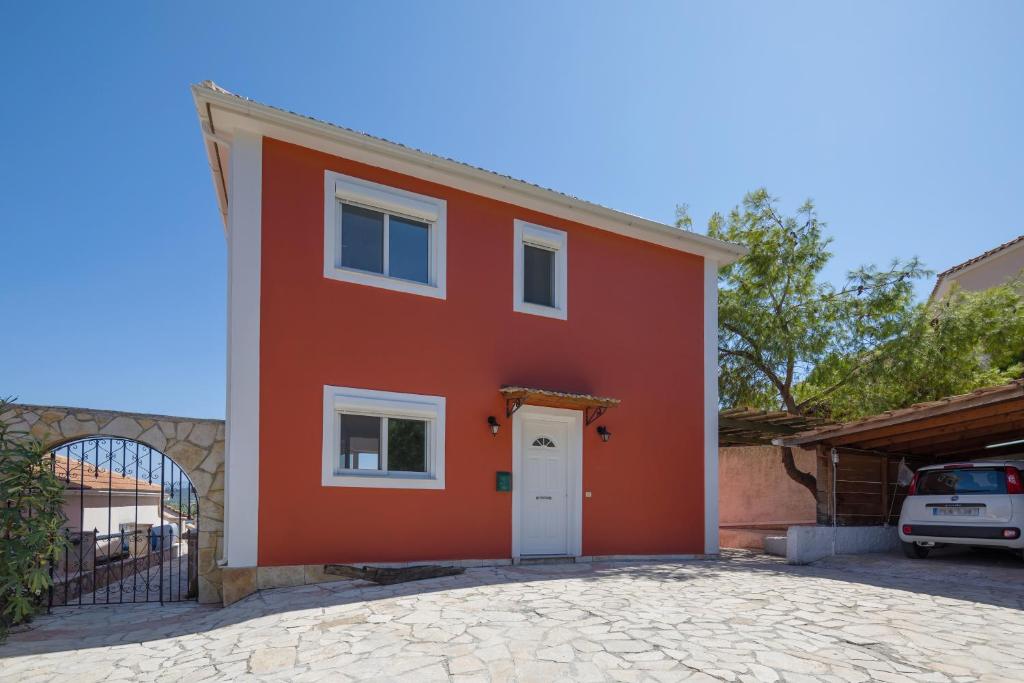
<point>592,406</point>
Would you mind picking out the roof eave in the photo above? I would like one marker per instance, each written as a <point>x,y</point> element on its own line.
<point>974,262</point>
<point>208,97</point>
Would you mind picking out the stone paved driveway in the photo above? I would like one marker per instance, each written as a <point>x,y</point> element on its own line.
<point>740,618</point>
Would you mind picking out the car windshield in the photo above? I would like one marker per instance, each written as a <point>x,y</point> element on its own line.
<point>965,481</point>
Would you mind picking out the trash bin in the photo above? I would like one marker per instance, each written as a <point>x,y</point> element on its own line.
<point>137,538</point>
<point>169,533</point>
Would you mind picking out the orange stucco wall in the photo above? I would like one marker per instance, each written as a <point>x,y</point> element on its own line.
<point>634,332</point>
<point>754,489</point>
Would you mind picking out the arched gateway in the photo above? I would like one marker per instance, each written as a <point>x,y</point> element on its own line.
<point>195,446</point>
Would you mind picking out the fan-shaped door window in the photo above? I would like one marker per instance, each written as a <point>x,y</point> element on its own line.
<point>543,442</point>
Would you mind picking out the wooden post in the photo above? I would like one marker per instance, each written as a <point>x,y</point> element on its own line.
<point>885,489</point>
<point>824,476</point>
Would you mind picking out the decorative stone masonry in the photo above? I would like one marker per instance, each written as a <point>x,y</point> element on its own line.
<point>197,446</point>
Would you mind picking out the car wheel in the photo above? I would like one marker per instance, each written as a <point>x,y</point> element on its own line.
<point>914,551</point>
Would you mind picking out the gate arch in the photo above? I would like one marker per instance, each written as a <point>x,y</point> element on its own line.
<point>132,516</point>
<point>194,445</point>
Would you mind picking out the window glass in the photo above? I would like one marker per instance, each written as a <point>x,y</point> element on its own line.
<point>966,481</point>
<point>362,239</point>
<point>407,445</point>
<point>538,275</point>
<point>409,247</point>
<point>360,442</point>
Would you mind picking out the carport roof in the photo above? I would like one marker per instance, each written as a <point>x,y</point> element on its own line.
<point>753,427</point>
<point>954,427</point>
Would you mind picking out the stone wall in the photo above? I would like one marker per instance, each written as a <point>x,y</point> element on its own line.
<point>196,445</point>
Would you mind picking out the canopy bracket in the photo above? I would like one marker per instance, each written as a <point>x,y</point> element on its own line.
<point>593,413</point>
<point>512,405</point>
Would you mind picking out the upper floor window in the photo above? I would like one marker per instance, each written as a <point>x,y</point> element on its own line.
<point>540,271</point>
<point>384,237</point>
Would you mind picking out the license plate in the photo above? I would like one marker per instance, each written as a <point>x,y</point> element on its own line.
<point>956,512</point>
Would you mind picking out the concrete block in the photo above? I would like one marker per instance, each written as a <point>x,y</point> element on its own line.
<point>805,544</point>
<point>775,545</point>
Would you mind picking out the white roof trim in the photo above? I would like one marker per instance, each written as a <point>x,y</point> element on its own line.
<point>221,113</point>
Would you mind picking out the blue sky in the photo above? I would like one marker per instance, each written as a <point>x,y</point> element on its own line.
<point>901,120</point>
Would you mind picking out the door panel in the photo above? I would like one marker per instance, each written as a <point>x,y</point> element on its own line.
<point>545,495</point>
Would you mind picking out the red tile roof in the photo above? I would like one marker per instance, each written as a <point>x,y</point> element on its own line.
<point>980,257</point>
<point>69,470</point>
<point>1014,390</point>
<point>970,262</point>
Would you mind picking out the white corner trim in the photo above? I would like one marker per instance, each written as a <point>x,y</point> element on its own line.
<point>384,404</point>
<point>549,238</point>
<point>242,434</point>
<point>710,407</point>
<point>389,200</point>
<point>574,478</point>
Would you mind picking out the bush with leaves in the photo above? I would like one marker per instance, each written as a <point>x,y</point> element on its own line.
<point>30,524</point>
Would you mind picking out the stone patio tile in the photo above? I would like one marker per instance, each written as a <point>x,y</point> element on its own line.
<point>739,618</point>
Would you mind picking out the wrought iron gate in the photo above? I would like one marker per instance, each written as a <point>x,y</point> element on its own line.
<point>132,525</point>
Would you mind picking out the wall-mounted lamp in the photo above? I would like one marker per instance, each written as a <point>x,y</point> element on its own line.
<point>603,432</point>
<point>492,422</point>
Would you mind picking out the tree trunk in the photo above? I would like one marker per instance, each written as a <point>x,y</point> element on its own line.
<point>808,481</point>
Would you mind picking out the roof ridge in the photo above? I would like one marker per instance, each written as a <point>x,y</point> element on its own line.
<point>736,250</point>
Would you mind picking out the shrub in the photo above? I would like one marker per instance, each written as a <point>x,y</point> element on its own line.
<point>30,524</point>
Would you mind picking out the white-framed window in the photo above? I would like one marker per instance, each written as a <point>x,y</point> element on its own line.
<point>382,439</point>
<point>540,271</point>
<point>384,237</point>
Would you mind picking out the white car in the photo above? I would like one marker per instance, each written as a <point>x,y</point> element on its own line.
<point>978,503</point>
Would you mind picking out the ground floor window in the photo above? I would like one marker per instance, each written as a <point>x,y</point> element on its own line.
<point>382,439</point>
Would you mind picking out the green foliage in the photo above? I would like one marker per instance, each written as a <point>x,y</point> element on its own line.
<point>30,525</point>
<point>965,341</point>
<point>683,220</point>
<point>777,321</point>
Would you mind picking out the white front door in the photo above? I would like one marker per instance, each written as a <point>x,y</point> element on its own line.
<point>545,487</point>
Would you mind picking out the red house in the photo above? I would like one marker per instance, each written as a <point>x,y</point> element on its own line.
<point>432,362</point>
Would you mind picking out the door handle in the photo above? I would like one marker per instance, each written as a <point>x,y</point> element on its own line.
<point>543,497</point>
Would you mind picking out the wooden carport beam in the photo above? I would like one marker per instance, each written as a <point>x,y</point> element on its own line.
<point>745,425</point>
<point>982,397</point>
<point>954,446</point>
<point>1004,422</point>
<point>997,410</point>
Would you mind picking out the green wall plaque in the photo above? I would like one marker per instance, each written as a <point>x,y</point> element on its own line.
<point>503,481</point>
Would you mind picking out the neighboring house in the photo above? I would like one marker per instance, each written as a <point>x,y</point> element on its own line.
<point>101,501</point>
<point>992,268</point>
<point>421,354</point>
<point>107,504</point>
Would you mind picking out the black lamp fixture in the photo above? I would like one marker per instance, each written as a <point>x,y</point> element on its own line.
<point>603,432</point>
<point>492,422</point>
